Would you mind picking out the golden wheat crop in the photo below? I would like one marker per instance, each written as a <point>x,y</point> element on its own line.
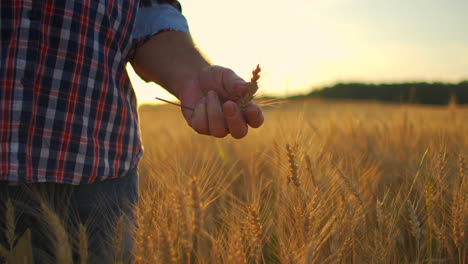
<point>320,182</point>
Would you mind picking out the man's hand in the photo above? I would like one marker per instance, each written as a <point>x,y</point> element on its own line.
<point>171,60</point>
<point>214,95</point>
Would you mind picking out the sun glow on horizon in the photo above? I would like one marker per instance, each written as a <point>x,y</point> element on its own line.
<point>311,44</point>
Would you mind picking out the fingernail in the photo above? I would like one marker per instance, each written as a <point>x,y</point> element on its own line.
<point>230,110</point>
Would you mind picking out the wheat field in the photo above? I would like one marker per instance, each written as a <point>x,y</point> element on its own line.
<point>320,182</point>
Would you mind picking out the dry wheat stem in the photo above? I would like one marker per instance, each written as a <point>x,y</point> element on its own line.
<point>172,103</point>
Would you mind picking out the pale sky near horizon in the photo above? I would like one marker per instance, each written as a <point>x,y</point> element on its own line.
<point>306,44</point>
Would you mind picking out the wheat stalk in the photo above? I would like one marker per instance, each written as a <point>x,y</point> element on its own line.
<point>63,252</point>
<point>256,228</point>
<point>170,253</point>
<point>10,223</point>
<point>351,187</point>
<point>380,216</point>
<point>83,244</point>
<point>117,243</point>
<point>414,222</point>
<point>172,103</point>
<point>311,172</point>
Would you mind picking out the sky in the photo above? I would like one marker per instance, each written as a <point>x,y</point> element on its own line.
<point>307,44</point>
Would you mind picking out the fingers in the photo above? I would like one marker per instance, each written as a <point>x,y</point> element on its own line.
<point>190,97</point>
<point>216,123</point>
<point>254,115</point>
<point>198,120</point>
<point>208,118</point>
<point>235,121</point>
<point>211,118</point>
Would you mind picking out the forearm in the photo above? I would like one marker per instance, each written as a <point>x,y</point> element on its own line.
<point>169,59</point>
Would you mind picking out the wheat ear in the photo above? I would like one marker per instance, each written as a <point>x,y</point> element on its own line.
<point>414,222</point>
<point>196,205</point>
<point>380,215</point>
<point>461,165</point>
<point>349,183</point>
<point>252,90</point>
<point>63,252</point>
<point>293,178</point>
<point>256,228</point>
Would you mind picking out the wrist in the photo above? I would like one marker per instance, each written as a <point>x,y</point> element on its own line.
<point>185,73</point>
<point>169,59</point>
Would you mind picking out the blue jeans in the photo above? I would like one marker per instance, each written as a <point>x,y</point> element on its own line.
<point>98,206</point>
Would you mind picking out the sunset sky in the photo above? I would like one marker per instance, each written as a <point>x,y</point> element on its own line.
<point>306,44</point>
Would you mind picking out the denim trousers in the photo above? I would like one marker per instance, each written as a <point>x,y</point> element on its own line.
<point>98,206</point>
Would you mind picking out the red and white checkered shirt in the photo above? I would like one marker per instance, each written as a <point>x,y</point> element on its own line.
<point>67,109</point>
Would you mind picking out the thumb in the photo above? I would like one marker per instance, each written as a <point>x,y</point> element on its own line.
<point>234,86</point>
<point>190,96</point>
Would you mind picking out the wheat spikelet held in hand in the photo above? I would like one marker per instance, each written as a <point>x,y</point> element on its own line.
<point>253,87</point>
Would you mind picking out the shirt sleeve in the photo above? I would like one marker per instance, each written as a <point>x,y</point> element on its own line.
<point>156,18</point>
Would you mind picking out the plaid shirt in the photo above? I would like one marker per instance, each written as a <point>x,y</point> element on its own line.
<point>67,109</point>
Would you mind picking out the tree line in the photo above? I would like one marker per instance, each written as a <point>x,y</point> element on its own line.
<point>415,93</point>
